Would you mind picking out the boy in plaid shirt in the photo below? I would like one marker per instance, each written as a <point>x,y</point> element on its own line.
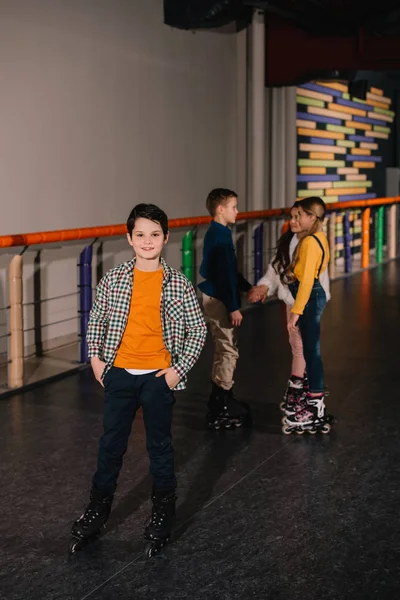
<point>146,331</point>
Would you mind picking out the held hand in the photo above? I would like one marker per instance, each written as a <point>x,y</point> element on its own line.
<point>253,295</point>
<point>292,323</point>
<point>98,367</point>
<point>171,377</point>
<point>236,318</point>
<point>257,293</point>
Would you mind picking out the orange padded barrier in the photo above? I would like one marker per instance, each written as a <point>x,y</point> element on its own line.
<point>70,235</point>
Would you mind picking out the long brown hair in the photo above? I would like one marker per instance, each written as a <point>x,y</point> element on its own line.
<point>312,206</point>
<point>281,260</point>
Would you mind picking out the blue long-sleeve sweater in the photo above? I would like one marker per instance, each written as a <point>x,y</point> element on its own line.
<point>219,268</point>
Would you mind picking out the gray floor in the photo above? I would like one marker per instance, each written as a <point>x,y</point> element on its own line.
<point>52,364</point>
<point>260,515</point>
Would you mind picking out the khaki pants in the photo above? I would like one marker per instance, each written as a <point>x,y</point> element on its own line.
<point>224,336</point>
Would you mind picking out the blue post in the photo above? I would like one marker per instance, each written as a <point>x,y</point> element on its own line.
<point>85,297</point>
<point>347,242</point>
<point>258,252</point>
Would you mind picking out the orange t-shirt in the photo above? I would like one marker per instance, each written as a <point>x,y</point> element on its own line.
<point>142,345</point>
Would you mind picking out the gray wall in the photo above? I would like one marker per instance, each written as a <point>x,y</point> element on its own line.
<point>103,106</point>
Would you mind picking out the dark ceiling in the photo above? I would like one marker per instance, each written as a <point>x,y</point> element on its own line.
<point>329,17</point>
<point>306,39</point>
<point>337,17</point>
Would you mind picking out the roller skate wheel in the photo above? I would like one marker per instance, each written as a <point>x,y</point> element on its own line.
<point>74,545</point>
<point>325,428</point>
<point>150,550</point>
<point>286,430</point>
<point>282,405</point>
<point>153,548</point>
<point>312,431</point>
<point>300,431</point>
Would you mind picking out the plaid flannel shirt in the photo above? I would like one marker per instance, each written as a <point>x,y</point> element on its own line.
<point>183,326</point>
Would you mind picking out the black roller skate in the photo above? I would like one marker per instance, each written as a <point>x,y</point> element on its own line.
<point>93,520</point>
<point>225,411</point>
<point>312,418</point>
<point>295,394</point>
<point>158,529</point>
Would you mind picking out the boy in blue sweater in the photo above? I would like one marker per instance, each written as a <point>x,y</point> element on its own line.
<point>221,302</point>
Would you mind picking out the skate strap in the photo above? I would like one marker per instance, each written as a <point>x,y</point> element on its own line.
<point>323,254</point>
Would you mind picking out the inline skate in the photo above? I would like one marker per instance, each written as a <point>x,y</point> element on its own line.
<point>294,397</point>
<point>312,417</point>
<point>225,411</point>
<point>158,529</point>
<point>91,522</point>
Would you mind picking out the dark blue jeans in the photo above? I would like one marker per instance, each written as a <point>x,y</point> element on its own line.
<point>309,325</point>
<point>124,394</point>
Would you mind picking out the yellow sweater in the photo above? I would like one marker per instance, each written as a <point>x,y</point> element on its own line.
<point>307,266</point>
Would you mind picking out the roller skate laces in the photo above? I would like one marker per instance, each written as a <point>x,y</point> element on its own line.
<point>294,397</point>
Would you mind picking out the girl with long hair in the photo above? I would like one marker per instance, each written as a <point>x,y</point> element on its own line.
<point>273,283</point>
<point>310,260</point>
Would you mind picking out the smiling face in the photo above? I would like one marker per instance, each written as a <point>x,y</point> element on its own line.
<point>147,239</point>
<point>305,220</point>
<point>294,221</point>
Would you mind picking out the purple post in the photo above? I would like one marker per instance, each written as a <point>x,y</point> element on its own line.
<point>258,252</point>
<point>85,297</point>
<point>347,242</point>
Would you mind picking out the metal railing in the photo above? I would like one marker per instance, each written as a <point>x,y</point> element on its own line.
<point>358,233</point>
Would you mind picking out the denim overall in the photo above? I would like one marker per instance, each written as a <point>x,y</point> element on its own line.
<point>309,325</point>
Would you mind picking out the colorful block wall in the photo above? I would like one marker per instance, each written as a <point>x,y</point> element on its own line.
<point>339,141</point>
<point>340,148</point>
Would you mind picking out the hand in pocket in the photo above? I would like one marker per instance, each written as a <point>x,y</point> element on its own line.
<point>98,367</point>
<point>171,377</point>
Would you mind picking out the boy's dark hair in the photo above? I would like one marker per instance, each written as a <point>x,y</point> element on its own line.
<point>217,197</point>
<point>147,211</point>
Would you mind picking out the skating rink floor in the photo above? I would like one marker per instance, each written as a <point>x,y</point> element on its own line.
<point>260,515</point>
